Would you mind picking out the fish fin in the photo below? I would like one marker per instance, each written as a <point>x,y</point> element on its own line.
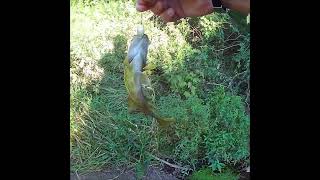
<point>132,107</point>
<point>148,92</point>
<point>146,88</point>
<point>145,80</point>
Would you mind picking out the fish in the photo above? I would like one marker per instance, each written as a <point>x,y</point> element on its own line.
<point>137,83</point>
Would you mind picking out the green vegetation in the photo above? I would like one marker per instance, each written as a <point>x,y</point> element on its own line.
<point>206,174</point>
<point>200,75</point>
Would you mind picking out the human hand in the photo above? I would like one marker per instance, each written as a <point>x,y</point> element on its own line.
<point>173,10</point>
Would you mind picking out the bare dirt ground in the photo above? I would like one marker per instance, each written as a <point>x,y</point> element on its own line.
<point>153,173</point>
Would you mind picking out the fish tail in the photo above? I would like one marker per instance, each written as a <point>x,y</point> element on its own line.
<point>163,122</point>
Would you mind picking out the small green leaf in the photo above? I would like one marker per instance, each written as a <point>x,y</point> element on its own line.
<point>193,90</point>
<point>182,84</point>
<point>186,94</point>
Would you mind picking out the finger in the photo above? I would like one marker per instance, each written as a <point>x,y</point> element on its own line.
<point>207,8</point>
<point>144,5</point>
<point>199,8</point>
<point>158,8</point>
<point>169,15</point>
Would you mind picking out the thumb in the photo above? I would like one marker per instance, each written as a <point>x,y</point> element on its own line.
<point>144,5</point>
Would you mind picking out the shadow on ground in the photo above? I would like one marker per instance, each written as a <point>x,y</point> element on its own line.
<point>108,142</point>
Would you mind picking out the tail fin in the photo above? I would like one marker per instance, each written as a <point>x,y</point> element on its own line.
<point>165,122</point>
